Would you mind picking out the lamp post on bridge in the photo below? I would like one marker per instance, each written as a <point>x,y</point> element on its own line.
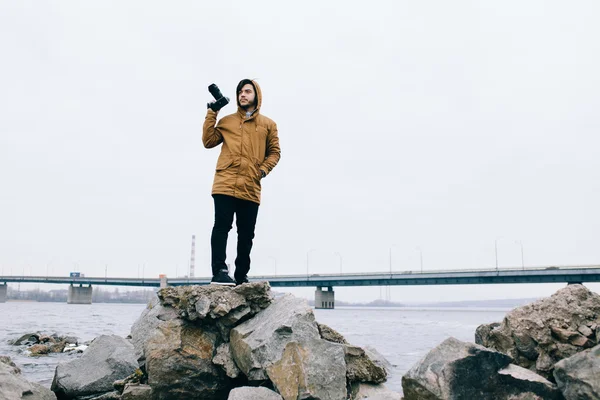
<point>275,263</point>
<point>421,255</point>
<point>496,251</point>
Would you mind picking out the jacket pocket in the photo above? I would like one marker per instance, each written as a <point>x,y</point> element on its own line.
<point>255,171</point>
<point>224,163</point>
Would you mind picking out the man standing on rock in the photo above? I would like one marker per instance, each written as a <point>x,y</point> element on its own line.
<point>250,151</point>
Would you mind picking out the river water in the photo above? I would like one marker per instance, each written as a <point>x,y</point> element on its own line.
<point>402,335</point>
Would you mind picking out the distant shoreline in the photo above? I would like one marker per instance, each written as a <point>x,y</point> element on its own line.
<point>142,297</point>
<point>463,304</point>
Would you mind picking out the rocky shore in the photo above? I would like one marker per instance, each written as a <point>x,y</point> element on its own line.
<point>213,342</point>
<point>545,350</point>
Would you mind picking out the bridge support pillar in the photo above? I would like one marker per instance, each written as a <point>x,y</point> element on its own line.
<point>324,299</point>
<point>79,295</point>
<point>163,281</point>
<point>3,290</point>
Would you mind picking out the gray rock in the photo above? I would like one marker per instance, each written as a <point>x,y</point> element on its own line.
<point>459,370</point>
<point>362,391</point>
<point>528,382</point>
<point>378,359</point>
<point>39,349</point>
<point>482,333</point>
<point>7,364</point>
<point>253,393</point>
<point>213,302</point>
<point>71,340</point>
<point>313,369</point>
<point>260,341</point>
<point>106,396</point>
<point>134,379</point>
<point>27,339</point>
<point>360,367</point>
<point>585,330</point>
<point>14,386</point>
<point>107,359</point>
<point>179,362</point>
<point>176,338</point>
<point>231,319</point>
<point>224,359</point>
<point>330,334</point>
<point>540,334</point>
<point>150,319</point>
<point>578,377</point>
<point>137,392</point>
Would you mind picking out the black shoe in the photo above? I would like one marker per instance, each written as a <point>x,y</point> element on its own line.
<point>222,278</point>
<point>241,281</point>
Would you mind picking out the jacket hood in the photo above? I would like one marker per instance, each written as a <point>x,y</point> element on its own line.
<point>258,98</point>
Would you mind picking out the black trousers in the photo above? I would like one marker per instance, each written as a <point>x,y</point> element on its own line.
<point>245,219</point>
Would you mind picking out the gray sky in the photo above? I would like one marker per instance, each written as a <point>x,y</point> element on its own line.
<point>437,125</point>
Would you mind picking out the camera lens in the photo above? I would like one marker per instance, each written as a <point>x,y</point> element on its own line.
<point>214,90</point>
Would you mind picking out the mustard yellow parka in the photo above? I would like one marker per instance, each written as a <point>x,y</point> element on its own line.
<point>250,145</point>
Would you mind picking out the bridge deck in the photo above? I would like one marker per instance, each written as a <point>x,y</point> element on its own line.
<point>551,274</point>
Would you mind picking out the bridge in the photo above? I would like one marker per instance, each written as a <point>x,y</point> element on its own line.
<point>80,288</point>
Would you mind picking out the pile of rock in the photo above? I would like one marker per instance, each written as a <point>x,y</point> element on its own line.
<point>540,334</point>
<point>14,386</point>
<point>215,342</point>
<point>545,350</point>
<point>109,358</point>
<point>38,343</point>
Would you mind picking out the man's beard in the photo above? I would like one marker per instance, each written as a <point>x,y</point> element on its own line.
<point>247,106</point>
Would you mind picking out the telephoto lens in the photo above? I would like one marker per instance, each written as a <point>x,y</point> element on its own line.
<point>220,100</point>
<point>214,90</point>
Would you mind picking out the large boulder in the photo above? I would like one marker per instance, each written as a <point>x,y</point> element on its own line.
<point>540,334</point>
<point>282,344</point>
<point>14,386</point>
<point>148,322</point>
<point>260,341</point>
<point>313,369</point>
<point>176,338</point>
<point>179,362</point>
<point>202,341</point>
<point>578,376</point>
<point>458,370</point>
<point>107,359</point>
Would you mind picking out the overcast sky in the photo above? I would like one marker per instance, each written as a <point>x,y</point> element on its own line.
<point>436,127</point>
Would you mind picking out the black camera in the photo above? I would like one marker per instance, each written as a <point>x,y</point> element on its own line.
<point>220,100</point>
